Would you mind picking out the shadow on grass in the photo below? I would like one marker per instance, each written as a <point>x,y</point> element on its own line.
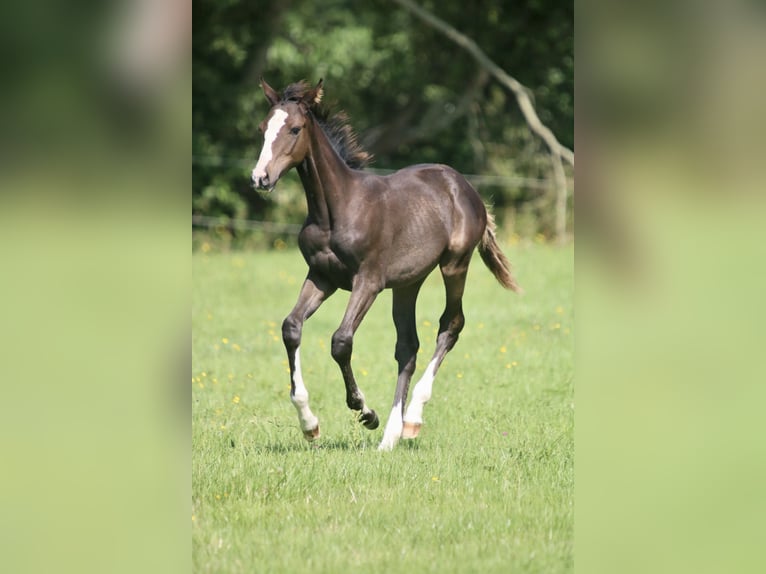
<point>288,446</point>
<point>289,440</point>
<point>337,444</point>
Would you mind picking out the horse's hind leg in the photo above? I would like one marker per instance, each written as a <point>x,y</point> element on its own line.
<point>312,294</point>
<point>407,346</point>
<point>450,325</point>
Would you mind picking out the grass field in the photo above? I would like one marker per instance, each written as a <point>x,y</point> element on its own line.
<point>488,485</point>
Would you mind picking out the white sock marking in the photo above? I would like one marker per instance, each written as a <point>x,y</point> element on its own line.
<point>393,431</point>
<point>275,124</point>
<point>300,397</point>
<point>421,394</point>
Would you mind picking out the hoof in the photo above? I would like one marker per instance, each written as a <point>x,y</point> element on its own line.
<point>311,435</point>
<point>411,430</point>
<point>370,420</point>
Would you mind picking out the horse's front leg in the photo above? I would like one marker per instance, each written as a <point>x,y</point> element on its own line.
<point>313,293</point>
<point>362,296</point>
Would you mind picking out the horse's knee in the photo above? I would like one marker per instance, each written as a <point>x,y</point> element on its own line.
<point>342,344</point>
<point>291,332</point>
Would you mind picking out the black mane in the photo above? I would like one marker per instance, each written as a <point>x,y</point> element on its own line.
<point>335,126</point>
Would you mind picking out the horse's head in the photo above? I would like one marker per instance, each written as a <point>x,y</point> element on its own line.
<point>285,141</point>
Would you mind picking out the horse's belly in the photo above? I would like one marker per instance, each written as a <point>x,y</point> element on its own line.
<point>402,273</point>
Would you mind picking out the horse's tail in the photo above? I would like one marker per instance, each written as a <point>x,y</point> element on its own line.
<point>494,258</point>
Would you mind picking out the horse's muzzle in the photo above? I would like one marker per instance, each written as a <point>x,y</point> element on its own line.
<point>263,182</point>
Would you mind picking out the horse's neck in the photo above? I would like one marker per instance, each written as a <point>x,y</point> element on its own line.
<point>325,178</point>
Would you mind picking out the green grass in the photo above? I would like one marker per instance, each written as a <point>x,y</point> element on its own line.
<point>488,485</point>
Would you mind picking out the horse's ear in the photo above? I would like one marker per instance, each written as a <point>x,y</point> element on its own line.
<point>271,93</point>
<point>314,96</point>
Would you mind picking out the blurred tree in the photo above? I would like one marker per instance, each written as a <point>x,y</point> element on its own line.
<point>412,95</point>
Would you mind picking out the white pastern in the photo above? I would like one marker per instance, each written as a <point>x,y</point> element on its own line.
<point>421,394</point>
<point>393,431</point>
<point>300,397</point>
<point>275,124</point>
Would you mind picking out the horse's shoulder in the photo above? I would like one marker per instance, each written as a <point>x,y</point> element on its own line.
<point>313,238</point>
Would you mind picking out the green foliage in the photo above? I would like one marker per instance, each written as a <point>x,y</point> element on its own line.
<point>487,487</point>
<point>412,95</point>
<point>217,199</point>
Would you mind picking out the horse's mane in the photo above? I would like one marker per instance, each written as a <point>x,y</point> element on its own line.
<point>335,125</point>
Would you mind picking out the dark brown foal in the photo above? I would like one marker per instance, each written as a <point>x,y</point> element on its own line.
<point>366,233</point>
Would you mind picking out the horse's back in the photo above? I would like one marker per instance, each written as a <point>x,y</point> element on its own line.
<point>431,214</point>
<point>441,187</point>
<point>437,179</point>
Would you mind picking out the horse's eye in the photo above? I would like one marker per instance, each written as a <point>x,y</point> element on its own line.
<point>295,130</point>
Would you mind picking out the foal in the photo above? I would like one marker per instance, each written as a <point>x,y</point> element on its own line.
<point>365,233</point>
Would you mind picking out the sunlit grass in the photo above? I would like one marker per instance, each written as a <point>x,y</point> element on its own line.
<point>488,485</point>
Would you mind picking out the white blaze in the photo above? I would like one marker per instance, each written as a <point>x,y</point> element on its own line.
<point>275,124</point>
